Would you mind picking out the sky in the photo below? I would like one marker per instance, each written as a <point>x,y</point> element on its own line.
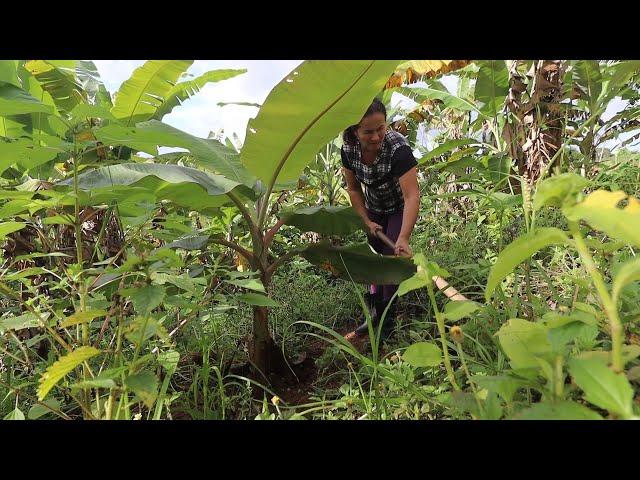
<point>201,114</point>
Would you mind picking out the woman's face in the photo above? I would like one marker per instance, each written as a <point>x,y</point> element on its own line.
<point>371,131</point>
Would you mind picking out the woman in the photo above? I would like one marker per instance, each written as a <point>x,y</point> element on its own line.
<point>383,162</point>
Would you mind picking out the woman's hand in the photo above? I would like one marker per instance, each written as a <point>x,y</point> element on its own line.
<point>402,247</point>
<point>373,227</point>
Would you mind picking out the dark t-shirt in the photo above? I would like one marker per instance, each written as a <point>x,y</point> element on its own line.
<point>382,192</point>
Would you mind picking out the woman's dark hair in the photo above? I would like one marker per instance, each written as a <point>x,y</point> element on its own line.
<point>349,135</point>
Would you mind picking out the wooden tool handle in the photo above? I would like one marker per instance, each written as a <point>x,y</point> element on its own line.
<point>440,282</point>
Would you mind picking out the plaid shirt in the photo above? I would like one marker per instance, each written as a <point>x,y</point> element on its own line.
<point>382,192</point>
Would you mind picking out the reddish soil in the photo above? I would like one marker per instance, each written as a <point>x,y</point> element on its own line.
<point>293,388</point>
<point>296,389</point>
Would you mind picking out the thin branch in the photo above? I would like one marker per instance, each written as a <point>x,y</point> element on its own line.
<point>251,258</point>
<point>268,238</point>
<point>283,259</point>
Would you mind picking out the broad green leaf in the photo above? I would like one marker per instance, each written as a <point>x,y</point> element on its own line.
<point>602,387</point>
<point>144,385</point>
<point>599,209</point>
<point>524,342</point>
<point>89,78</point>
<point>492,86</point>
<point>257,299</point>
<point>492,407</point>
<point>503,385</point>
<point>250,283</point>
<point>136,335</point>
<point>15,101</point>
<point>63,366</point>
<point>419,95</point>
<point>145,299</point>
<point>496,166</point>
<point>464,402</point>
<point>39,122</point>
<point>82,317</point>
<point>9,227</point>
<point>169,360</point>
<point>9,72</point>
<point>500,200</point>
<point>190,242</point>
<point>432,269</point>
<point>629,353</point>
<point>38,410</point>
<point>27,320</point>
<point>83,111</point>
<point>446,147</point>
<point>184,90</point>
<point>15,414</point>
<point>181,281</point>
<point>306,110</point>
<point>184,186</point>
<point>25,153</point>
<point>616,82</point>
<point>57,220</point>
<point>519,250</point>
<point>140,97</point>
<point>425,271</point>
<point>454,311</point>
<point>359,263</point>
<point>58,79</point>
<point>26,272</point>
<point>558,190</point>
<point>423,354</point>
<point>97,382</point>
<point>208,153</point>
<point>588,76</point>
<point>11,128</point>
<point>561,410</point>
<point>628,273</point>
<point>325,219</point>
<point>12,207</point>
<point>561,335</point>
<point>419,280</point>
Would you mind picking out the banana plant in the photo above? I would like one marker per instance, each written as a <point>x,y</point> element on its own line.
<point>303,113</point>
<point>49,114</point>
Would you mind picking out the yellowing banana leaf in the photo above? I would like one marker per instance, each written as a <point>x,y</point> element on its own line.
<point>415,70</point>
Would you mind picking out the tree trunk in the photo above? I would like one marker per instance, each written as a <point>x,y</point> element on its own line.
<point>536,136</point>
<point>262,345</point>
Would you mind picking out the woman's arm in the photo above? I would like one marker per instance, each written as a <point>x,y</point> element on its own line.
<point>357,199</point>
<point>411,195</point>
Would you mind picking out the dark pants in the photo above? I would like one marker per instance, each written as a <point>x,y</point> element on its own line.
<point>391,225</point>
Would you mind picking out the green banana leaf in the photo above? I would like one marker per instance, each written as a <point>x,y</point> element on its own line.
<point>8,72</point>
<point>58,79</point>
<point>15,101</point>
<point>306,110</point>
<point>359,263</point>
<point>208,153</point>
<point>324,219</point>
<point>186,187</point>
<point>140,97</point>
<point>184,90</point>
